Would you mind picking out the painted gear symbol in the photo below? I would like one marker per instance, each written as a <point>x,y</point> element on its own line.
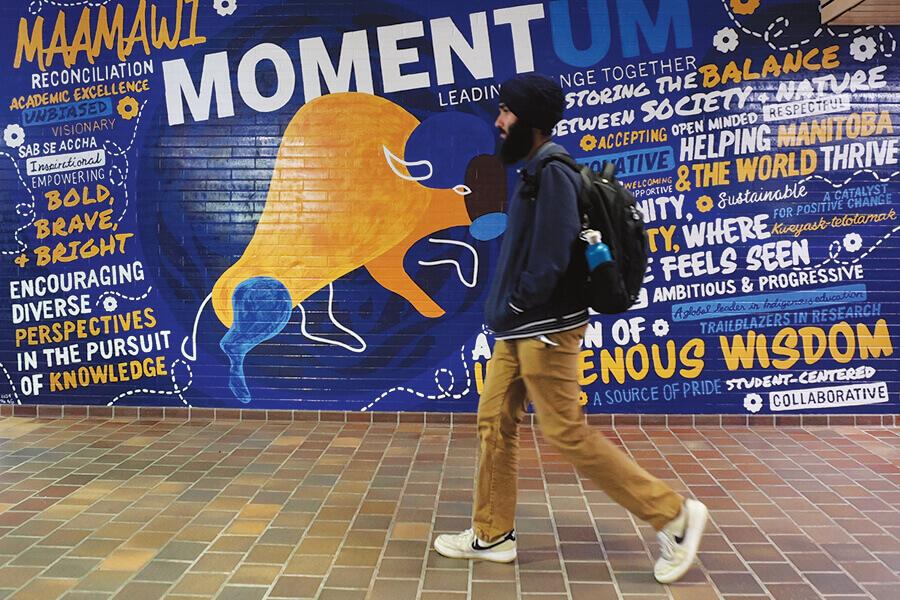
<point>225,7</point>
<point>14,135</point>
<point>726,40</point>
<point>660,327</point>
<point>753,402</point>
<point>852,242</point>
<point>863,47</point>
<point>744,7</point>
<point>588,142</point>
<point>704,203</point>
<point>110,303</point>
<point>127,108</point>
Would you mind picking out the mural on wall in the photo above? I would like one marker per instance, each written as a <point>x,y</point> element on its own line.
<point>256,204</point>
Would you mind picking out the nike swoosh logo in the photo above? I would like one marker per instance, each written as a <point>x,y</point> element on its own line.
<point>477,546</point>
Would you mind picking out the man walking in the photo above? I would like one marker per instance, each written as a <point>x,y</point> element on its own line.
<point>538,312</point>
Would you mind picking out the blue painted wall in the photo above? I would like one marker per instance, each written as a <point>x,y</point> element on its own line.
<point>298,205</point>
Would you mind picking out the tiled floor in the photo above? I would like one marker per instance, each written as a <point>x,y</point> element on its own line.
<point>245,510</point>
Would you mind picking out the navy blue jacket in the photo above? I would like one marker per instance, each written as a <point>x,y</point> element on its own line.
<point>539,282</point>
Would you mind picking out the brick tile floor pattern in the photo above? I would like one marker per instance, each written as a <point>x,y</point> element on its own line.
<point>248,509</point>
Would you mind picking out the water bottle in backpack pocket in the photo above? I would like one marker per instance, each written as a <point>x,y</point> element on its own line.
<point>604,279</point>
<point>596,252</point>
<point>617,258</point>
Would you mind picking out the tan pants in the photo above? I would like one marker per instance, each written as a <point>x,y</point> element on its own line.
<point>531,370</point>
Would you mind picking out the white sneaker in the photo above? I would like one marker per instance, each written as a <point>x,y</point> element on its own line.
<point>679,551</point>
<point>467,545</point>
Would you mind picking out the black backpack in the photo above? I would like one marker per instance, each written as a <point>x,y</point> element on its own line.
<point>606,206</point>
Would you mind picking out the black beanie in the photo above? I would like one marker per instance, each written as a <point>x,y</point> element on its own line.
<point>535,99</point>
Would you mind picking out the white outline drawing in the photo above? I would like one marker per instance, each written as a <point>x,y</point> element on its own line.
<point>838,186</point>
<point>193,337</point>
<point>15,391</point>
<point>176,390</point>
<point>37,5</point>
<point>835,247</point>
<point>444,392</point>
<point>335,322</point>
<point>392,159</point>
<point>192,355</point>
<point>102,297</point>
<point>137,123</point>
<point>768,35</point>
<point>123,182</point>
<point>29,212</point>
<point>450,261</point>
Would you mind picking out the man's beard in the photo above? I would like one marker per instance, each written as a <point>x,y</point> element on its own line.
<point>517,144</point>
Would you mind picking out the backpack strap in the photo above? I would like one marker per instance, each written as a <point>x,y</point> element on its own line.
<point>533,182</point>
<point>609,171</point>
<point>607,177</point>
